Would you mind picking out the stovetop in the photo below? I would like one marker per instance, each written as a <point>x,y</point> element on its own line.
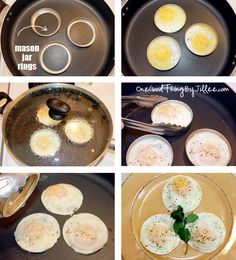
<point>107,97</point>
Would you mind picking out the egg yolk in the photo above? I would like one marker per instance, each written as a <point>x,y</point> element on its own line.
<point>56,191</point>
<point>157,235</point>
<point>200,42</point>
<point>34,230</point>
<point>166,110</point>
<point>209,154</point>
<point>181,185</point>
<point>147,156</point>
<point>204,236</point>
<point>85,235</point>
<point>163,53</point>
<point>166,14</point>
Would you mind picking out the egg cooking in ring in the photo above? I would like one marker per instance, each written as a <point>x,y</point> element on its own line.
<point>163,53</point>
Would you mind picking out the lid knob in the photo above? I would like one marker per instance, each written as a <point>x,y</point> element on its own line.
<point>57,108</point>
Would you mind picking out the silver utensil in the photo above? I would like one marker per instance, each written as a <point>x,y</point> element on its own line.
<point>159,129</point>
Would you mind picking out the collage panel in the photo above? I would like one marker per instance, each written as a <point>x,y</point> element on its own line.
<point>182,38</point>
<point>179,124</point>
<point>57,124</point>
<point>57,216</point>
<point>35,34</point>
<point>178,216</point>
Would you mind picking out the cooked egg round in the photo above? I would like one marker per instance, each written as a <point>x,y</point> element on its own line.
<point>172,112</point>
<point>79,130</point>
<point>207,233</point>
<point>85,233</point>
<point>45,142</point>
<point>158,236</point>
<point>170,18</point>
<point>163,53</point>
<point>44,118</point>
<point>181,191</point>
<point>149,150</point>
<point>201,39</point>
<point>208,148</point>
<point>37,233</point>
<point>62,199</point>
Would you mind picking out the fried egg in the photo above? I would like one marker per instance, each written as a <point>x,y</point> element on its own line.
<point>37,232</point>
<point>62,199</point>
<point>170,18</point>
<point>79,130</point>
<point>172,112</point>
<point>201,39</point>
<point>181,191</point>
<point>44,118</point>
<point>149,150</point>
<point>85,233</point>
<point>208,148</point>
<point>45,142</point>
<point>163,53</point>
<point>158,236</point>
<point>207,233</point>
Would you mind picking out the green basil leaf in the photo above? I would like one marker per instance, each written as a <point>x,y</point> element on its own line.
<point>178,214</point>
<point>177,226</point>
<point>191,218</point>
<point>184,234</point>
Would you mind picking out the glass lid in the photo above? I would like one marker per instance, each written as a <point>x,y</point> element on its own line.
<point>57,124</point>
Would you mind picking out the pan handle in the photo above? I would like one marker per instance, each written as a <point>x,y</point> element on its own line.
<point>112,145</point>
<point>4,100</point>
<point>57,108</point>
<point>2,5</point>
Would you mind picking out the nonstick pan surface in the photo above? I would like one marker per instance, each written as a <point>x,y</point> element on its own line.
<point>98,199</point>
<point>214,110</point>
<point>138,30</point>
<point>96,59</point>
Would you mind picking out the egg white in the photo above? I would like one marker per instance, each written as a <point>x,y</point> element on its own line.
<point>149,152</point>
<point>158,236</point>
<point>44,118</point>
<point>45,142</point>
<point>79,130</point>
<point>170,18</point>
<point>201,39</point>
<point>172,112</point>
<point>207,148</point>
<point>37,232</point>
<point>181,191</point>
<point>207,233</point>
<point>163,53</point>
<point>85,233</point>
<point>62,199</point>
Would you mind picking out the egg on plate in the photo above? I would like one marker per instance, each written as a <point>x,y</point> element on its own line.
<point>170,18</point>
<point>149,150</point>
<point>207,233</point>
<point>181,191</point>
<point>37,232</point>
<point>62,199</point>
<point>172,112</point>
<point>45,142</point>
<point>158,236</point>
<point>79,130</point>
<point>163,53</point>
<point>201,39</point>
<point>207,147</point>
<point>85,233</point>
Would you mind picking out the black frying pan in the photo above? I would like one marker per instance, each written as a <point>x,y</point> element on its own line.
<point>138,30</point>
<point>215,110</point>
<point>96,59</point>
<point>98,194</point>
